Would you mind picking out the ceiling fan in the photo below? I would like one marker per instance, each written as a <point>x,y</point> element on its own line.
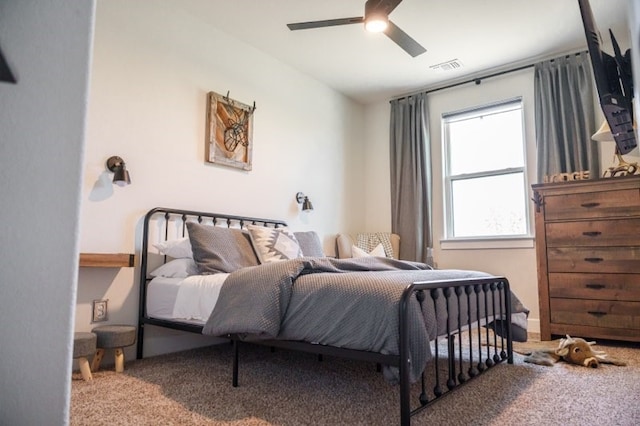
<point>375,19</point>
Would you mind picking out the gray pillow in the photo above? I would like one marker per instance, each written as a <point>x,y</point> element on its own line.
<point>309,244</point>
<point>217,249</point>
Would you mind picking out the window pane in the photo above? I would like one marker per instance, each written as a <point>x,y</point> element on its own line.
<point>489,206</point>
<point>486,142</point>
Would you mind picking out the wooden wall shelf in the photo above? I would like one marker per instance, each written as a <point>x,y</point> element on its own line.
<point>106,260</point>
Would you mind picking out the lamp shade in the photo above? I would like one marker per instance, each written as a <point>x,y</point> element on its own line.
<point>603,134</point>
<point>121,176</point>
<point>306,205</point>
<point>304,200</point>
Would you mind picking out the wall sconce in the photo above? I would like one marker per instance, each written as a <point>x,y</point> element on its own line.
<point>304,200</point>
<point>116,165</point>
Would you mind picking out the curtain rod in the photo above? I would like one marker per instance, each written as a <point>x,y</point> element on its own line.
<point>478,80</point>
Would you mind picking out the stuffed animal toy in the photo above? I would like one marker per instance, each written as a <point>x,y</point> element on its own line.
<point>574,351</point>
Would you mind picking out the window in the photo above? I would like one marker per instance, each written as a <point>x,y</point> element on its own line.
<point>485,181</point>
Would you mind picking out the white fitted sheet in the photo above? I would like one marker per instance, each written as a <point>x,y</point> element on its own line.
<point>188,299</point>
<point>161,296</point>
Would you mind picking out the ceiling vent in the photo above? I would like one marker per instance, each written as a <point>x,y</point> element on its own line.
<point>451,65</point>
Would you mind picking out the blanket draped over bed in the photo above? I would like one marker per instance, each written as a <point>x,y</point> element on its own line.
<point>349,303</point>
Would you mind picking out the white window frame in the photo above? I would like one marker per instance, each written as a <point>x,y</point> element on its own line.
<point>492,241</point>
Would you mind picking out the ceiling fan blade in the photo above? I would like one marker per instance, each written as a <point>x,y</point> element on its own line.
<point>325,23</point>
<point>384,5</point>
<point>403,40</point>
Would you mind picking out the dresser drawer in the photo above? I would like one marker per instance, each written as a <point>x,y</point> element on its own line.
<point>596,313</point>
<point>592,205</point>
<point>594,259</point>
<point>595,286</point>
<point>616,232</point>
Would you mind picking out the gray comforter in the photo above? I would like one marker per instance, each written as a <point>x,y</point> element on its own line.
<point>349,303</point>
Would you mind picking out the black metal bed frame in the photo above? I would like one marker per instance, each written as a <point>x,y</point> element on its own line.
<point>455,292</point>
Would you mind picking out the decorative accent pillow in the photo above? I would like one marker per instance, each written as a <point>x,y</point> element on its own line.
<point>217,249</point>
<point>178,249</point>
<point>274,244</point>
<point>177,268</point>
<point>377,251</point>
<point>309,243</point>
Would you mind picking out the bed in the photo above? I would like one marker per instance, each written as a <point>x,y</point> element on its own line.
<point>210,273</point>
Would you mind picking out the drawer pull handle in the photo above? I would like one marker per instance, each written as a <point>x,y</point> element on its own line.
<point>597,313</point>
<point>593,259</point>
<point>591,233</point>
<point>589,205</point>
<point>595,286</point>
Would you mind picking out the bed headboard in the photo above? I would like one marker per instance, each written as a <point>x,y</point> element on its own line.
<point>166,224</point>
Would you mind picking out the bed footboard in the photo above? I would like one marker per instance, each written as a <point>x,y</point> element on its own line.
<point>492,299</point>
<point>466,355</point>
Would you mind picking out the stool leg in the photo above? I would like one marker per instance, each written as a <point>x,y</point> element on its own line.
<point>97,359</point>
<point>119,360</point>
<point>85,369</point>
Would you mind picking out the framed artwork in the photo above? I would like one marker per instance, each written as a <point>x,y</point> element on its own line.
<point>229,132</point>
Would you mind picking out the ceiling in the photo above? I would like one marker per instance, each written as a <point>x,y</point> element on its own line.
<point>484,36</point>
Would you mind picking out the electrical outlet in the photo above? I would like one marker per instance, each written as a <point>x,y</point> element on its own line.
<point>100,311</point>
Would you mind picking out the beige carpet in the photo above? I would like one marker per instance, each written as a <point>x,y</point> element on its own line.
<point>291,388</point>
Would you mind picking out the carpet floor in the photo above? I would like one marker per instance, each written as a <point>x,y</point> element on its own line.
<point>291,388</point>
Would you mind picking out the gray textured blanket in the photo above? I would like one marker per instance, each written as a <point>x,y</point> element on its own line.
<point>349,303</point>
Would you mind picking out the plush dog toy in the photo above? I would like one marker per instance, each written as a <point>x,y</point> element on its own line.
<point>574,351</point>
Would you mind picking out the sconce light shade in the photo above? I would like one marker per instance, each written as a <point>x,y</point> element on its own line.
<point>304,200</point>
<point>120,173</point>
<point>306,205</point>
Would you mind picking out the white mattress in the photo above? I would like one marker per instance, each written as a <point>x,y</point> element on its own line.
<point>189,300</point>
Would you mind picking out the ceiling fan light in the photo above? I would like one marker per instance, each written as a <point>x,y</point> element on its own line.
<point>376,24</point>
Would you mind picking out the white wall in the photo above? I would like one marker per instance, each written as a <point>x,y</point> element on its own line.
<point>152,68</point>
<point>42,127</point>
<point>377,179</point>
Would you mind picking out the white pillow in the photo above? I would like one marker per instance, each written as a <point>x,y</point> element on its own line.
<point>177,268</point>
<point>178,249</point>
<point>377,251</point>
<point>274,244</point>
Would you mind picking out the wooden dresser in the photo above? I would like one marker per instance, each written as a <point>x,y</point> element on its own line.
<point>588,252</point>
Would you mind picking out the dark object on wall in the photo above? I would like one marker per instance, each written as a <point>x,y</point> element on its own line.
<point>304,200</point>
<point>121,176</point>
<point>614,82</point>
<point>5,72</point>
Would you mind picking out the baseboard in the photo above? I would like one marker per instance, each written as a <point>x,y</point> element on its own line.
<point>533,325</point>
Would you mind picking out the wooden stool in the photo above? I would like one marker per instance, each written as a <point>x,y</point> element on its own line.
<point>84,345</point>
<point>113,337</point>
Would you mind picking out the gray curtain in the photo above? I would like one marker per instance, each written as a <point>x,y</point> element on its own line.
<point>411,191</point>
<point>565,116</point>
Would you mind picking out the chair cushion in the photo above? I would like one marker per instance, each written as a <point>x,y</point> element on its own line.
<point>345,241</point>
